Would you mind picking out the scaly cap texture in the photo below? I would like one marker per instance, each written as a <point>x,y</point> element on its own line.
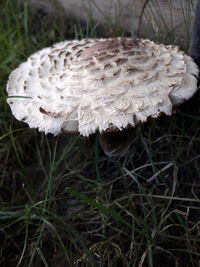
<point>100,84</point>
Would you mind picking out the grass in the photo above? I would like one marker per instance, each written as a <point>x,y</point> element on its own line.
<point>64,203</point>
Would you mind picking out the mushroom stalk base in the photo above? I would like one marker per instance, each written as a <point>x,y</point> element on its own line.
<point>116,143</point>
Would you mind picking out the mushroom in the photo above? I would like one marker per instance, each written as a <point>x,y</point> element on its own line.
<point>104,85</point>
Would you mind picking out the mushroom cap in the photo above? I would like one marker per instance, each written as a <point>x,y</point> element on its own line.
<point>100,84</point>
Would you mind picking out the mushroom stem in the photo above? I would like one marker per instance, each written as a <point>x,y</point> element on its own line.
<point>116,143</point>
<point>195,40</point>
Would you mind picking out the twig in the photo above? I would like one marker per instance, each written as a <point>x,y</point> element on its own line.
<point>153,177</point>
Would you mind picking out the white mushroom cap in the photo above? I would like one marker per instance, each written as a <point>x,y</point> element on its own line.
<point>100,84</point>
